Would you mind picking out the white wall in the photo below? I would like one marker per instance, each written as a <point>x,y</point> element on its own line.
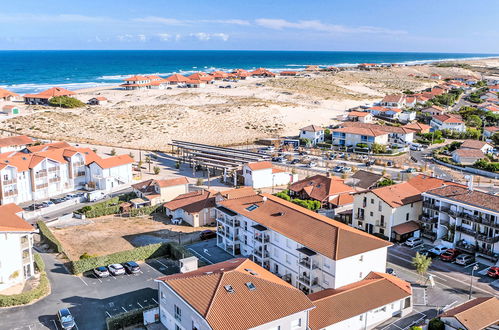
<point>11,258</point>
<point>355,268</point>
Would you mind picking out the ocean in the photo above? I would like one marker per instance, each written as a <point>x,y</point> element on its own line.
<point>33,71</point>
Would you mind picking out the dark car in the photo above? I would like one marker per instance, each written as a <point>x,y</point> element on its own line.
<point>131,267</point>
<point>207,234</point>
<point>427,253</point>
<point>66,319</point>
<point>493,272</point>
<point>449,255</point>
<point>391,271</point>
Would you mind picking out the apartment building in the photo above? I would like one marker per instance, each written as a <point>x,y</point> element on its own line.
<point>308,250</point>
<point>236,294</point>
<point>353,133</point>
<point>43,171</point>
<point>464,218</point>
<point>263,175</point>
<point>16,242</point>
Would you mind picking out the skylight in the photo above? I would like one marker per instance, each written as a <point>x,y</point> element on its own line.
<point>229,288</point>
<point>252,207</point>
<point>250,286</point>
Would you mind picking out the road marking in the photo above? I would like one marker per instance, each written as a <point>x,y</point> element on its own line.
<point>154,300</point>
<point>449,305</point>
<point>55,324</point>
<point>140,305</point>
<point>200,256</point>
<point>82,281</point>
<point>96,277</point>
<point>473,264</point>
<point>124,309</point>
<point>108,315</point>
<point>161,263</point>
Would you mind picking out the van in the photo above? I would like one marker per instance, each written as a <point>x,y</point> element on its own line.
<point>94,196</point>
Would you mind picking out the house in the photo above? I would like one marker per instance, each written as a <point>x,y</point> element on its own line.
<point>262,175</point>
<point>177,79</point>
<point>393,101</point>
<point>385,112</point>
<point>434,110</point>
<point>288,73</point>
<point>489,131</point>
<point>8,96</point>
<point>393,210</point>
<point>262,73</point>
<point>473,214</point>
<point>219,75</point>
<point>352,136</point>
<point>197,208</point>
<point>467,156</point>
<point>447,121</point>
<point>435,76</point>
<point>406,116</point>
<point>418,127</point>
<point>348,308</point>
<point>363,117</point>
<point>196,83</point>
<point>99,100</point>
<point>161,191</point>
<point>236,294</point>
<point>494,88</point>
<point>489,107</point>
<point>16,247</point>
<point>44,171</point>
<point>314,133</point>
<point>477,144</point>
<point>11,110</point>
<point>241,74</point>
<point>365,179</point>
<point>331,191</point>
<point>15,143</point>
<point>201,76</point>
<point>478,313</point>
<point>369,133</point>
<point>136,83</point>
<point>44,97</point>
<point>411,101</point>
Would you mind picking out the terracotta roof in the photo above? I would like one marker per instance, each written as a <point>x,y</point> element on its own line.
<point>177,78</point>
<point>255,166</point>
<point>366,178</point>
<point>342,199</point>
<point>285,73</point>
<point>384,109</point>
<point>46,146</point>
<point>147,187</point>
<point>237,192</point>
<point>114,161</point>
<point>5,93</point>
<point>417,126</point>
<point>398,194</point>
<point>462,194</point>
<point>137,78</point>
<point>394,98</point>
<point>312,128</point>
<point>11,222</point>
<point>192,202</point>
<point>336,305</point>
<point>99,98</point>
<point>320,187</point>
<point>219,74</point>
<point>478,313</point>
<point>491,129</point>
<point>9,107</point>
<point>358,114</point>
<point>381,128</point>
<point>359,131</point>
<point>204,290</point>
<point>200,76</point>
<point>406,227</point>
<point>51,92</point>
<point>474,144</point>
<point>424,182</point>
<point>469,153</point>
<point>18,140</point>
<point>262,71</point>
<point>433,108</point>
<point>317,232</point>
<point>448,119</point>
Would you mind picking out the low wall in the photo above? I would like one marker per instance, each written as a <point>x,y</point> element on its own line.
<point>56,207</point>
<point>468,169</point>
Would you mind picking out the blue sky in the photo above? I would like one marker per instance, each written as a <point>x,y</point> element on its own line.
<point>367,25</point>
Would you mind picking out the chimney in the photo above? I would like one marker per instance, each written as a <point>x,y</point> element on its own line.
<point>469,182</point>
<point>264,199</point>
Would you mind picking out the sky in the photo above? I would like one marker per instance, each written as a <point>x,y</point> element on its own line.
<point>460,26</point>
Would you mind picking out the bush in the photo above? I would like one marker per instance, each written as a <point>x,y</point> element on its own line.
<point>386,182</point>
<point>134,317</point>
<point>24,298</point>
<point>362,145</point>
<point>156,170</point>
<point>487,166</point>
<point>308,204</point>
<point>436,324</point>
<point>283,195</point>
<point>139,253</point>
<point>378,148</point>
<point>148,210</point>
<point>48,237</point>
<point>39,263</point>
<point>66,102</point>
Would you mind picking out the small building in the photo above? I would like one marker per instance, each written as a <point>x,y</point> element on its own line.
<point>393,101</point>
<point>435,76</point>
<point>364,179</point>
<point>262,175</point>
<point>44,97</point>
<point>489,107</point>
<point>99,100</point>
<point>15,143</point>
<point>219,75</point>
<point>450,122</point>
<point>241,74</point>
<point>478,313</point>
<point>467,156</point>
<point>385,112</point>
<point>406,116</point>
<point>494,88</point>
<point>262,73</point>
<point>11,110</point>
<point>136,83</point>
<point>434,110</point>
<point>312,132</point>
<point>196,84</point>
<point>197,208</point>
<point>478,145</point>
<point>112,172</point>
<point>161,191</point>
<point>363,117</point>
<point>489,131</point>
<point>288,73</point>
<point>201,76</point>
<point>177,79</point>
<point>8,96</point>
<point>418,127</point>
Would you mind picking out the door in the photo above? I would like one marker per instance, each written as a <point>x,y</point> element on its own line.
<point>369,228</point>
<point>15,111</point>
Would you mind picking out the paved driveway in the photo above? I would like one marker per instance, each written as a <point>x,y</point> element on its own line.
<point>209,252</point>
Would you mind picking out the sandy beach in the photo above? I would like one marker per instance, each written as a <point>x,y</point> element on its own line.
<point>222,116</point>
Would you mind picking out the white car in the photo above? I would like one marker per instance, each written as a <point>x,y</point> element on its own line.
<point>439,249</point>
<point>413,241</point>
<point>116,269</point>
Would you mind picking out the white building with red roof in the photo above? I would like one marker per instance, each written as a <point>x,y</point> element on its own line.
<point>314,133</point>
<point>360,116</point>
<point>449,122</point>
<point>6,95</point>
<point>45,96</point>
<point>16,243</point>
<point>264,175</point>
<point>161,191</point>
<point>393,101</point>
<point>15,143</point>
<point>136,83</point>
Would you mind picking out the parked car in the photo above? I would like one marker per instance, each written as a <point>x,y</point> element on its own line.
<point>207,234</point>
<point>449,255</point>
<point>131,267</point>
<point>116,269</point>
<point>71,196</point>
<point>312,164</point>
<point>391,271</point>
<point>101,272</point>
<point>338,169</point>
<point>47,204</point>
<point>295,161</point>
<point>413,241</point>
<point>438,250</point>
<point>389,163</point>
<point>65,319</point>
<point>493,272</point>
<point>369,163</point>
<point>410,170</point>
<point>341,155</point>
<point>465,259</point>
<point>346,170</point>
<point>427,253</point>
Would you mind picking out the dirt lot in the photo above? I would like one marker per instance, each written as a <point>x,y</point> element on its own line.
<point>113,234</point>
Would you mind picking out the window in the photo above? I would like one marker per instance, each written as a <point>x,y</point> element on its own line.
<point>372,200</point>
<point>412,204</point>
<point>276,237</point>
<point>381,231</point>
<point>361,317</point>
<point>177,327</point>
<point>360,275</point>
<point>296,324</point>
<point>379,206</point>
<point>371,214</point>
<point>162,295</point>
<point>407,217</point>
<point>288,243</point>
<point>195,326</point>
<point>178,313</point>
<point>287,259</point>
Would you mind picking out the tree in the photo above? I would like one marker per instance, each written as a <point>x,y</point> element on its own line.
<point>283,195</point>
<point>113,152</point>
<point>66,102</point>
<point>156,170</point>
<point>474,121</point>
<point>436,324</point>
<point>378,148</point>
<point>495,138</point>
<point>421,263</point>
<point>386,182</point>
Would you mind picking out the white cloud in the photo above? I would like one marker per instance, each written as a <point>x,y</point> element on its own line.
<point>125,37</point>
<point>203,36</point>
<point>141,37</point>
<point>228,21</point>
<point>159,20</point>
<point>62,18</point>
<point>178,37</point>
<point>164,36</point>
<point>280,24</point>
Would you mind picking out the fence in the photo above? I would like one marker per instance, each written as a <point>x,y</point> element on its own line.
<point>469,169</point>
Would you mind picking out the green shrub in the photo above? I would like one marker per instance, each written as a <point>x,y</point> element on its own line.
<point>48,237</point>
<point>386,182</point>
<point>436,324</point>
<point>66,102</point>
<point>129,318</point>
<point>39,263</point>
<point>148,210</point>
<point>283,195</point>
<point>24,298</point>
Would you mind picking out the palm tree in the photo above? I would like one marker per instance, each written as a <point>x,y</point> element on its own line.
<point>421,263</point>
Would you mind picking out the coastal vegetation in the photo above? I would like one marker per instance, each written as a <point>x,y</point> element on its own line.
<point>66,102</point>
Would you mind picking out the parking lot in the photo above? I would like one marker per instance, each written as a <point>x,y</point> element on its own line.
<point>208,251</point>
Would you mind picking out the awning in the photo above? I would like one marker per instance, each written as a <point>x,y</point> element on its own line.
<point>260,227</point>
<point>306,251</point>
<point>226,211</point>
<point>405,228</point>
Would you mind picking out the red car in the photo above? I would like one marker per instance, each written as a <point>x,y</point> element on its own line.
<point>449,255</point>
<point>493,272</point>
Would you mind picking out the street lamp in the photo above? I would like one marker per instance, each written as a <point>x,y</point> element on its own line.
<point>471,280</point>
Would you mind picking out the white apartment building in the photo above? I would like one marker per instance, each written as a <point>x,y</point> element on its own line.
<point>16,242</point>
<point>353,133</point>
<point>441,122</point>
<point>312,132</point>
<point>44,171</point>
<point>263,175</point>
<point>463,218</point>
<point>236,294</point>
<point>306,249</point>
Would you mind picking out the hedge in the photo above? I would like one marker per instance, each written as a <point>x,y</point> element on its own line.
<point>49,238</point>
<point>129,318</point>
<point>39,263</point>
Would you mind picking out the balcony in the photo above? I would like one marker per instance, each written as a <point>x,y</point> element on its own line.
<point>445,209</point>
<point>52,180</point>
<point>229,222</point>
<point>7,182</point>
<point>10,193</point>
<point>466,247</point>
<point>79,173</point>
<point>359,216</point>
<point>468,216</point>
<point>79,164</point>
<point>262,254</point>
<point>466,231</point>
<point>54,169</point>
<point>41,186</point>
<point>380,224</point>
<point>426,218</point>
<point>487,239</point>
<point>227,235</point>
<point>24,243</point>
<point>40,174</point>
<point>429,234</point>
<point>488,222</point>
<point>428,205</point>
<point>260,238</point>
<point>308,281</point>
<point>307,263</point>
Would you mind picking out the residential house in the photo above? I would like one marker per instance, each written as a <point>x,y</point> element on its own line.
<point>11,110</point>
<point>241,74</point>
<point>393,210</point>
<point>7,96</point>
<point>136,83</point>
<point>219,75</point>
<point>288,73</point>
<point>418,127</point>
<point>314,133</point>
<point>435,76</point>
<point>464,218</point>
<point>385,112</point>
<point>489,107</point>
<point>477,144</point>
<point>348,308</point>
<point>494,88</point>
<point>393,101</point>
<point>363,117</point>
<point>202,77</point>
<point>177,79</point>
<point>434,110</point>
<point>263,175</point>
<point>236,294</point>
<point>467,156</point>
<point>15,143</point>
<point>262,73</point>
<point>161,191</point>
<point>16,247</point>
<point>447,121</point>
<point>112,172</point>
<point>197,208</point>
<point>383,134</point>
<point>306,249</point>
<point>99,100</point>
<point>364,179</point>
<point>489,131</point>
<point>478,313</point>
<point>44,97</point>
<point>406,116</point>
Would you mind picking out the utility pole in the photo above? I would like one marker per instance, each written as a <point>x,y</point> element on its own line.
<point>471,280</point>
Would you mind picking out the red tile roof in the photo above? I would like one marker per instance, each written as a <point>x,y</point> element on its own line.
<point>50,93</point>
<point>5,93</point>
<point>192,202</point>
<point>448,119</point>
<point>394,98</point>
<point>11,222</point>
<point>114,161</point>
<point>137,78</point>
<point>320,187</point>
<point>479,313</point>
<point>19,140</point>
<point>255,166</point>
<point>177,78</point>
<point>358,114</point>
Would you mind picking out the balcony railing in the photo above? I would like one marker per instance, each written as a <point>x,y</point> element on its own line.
<point>41,174</point>
<point>7,182</point>
<point>431,206</point>
<point>261,238</point>
<point>24,243</point>
<point>79,173</point>
<point>466,247</point>
<point>380,224</point>
<point>26,260</point>
<point>307,263</point>
<point>230,222</point>
<point>360,216</point>
<point>54,169</point>
<point>52,180</point>
<point>429,234</point>
<point>486,252</point>
<point>42,186</point>
<point>79,164</point>
<point>428,219</point>
<point>487,239</point>
<point>10,193</point>
<point>465,230</point>
<point>262,254</point>
<point>306,280</point>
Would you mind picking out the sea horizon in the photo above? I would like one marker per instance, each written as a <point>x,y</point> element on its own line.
<point>27,71</point>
